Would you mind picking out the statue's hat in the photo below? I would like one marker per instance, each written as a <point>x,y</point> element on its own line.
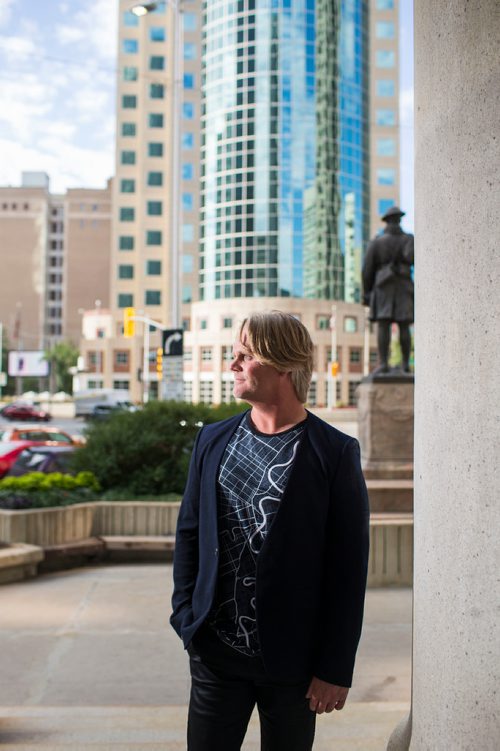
<point>393,211</point>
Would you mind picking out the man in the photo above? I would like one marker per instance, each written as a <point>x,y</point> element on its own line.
<point>271,553</point>
<point>388,286</point>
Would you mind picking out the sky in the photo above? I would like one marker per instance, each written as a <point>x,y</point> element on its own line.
<point>57,93</point>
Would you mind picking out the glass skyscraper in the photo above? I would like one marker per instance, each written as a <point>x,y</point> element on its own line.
<point>284,148</point>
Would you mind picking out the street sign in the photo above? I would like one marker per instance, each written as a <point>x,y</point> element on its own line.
<point>172,383</point>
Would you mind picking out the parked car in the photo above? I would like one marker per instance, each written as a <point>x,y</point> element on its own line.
<point>42,459</point>
<point>9,452</point>
<point>104,411</point>
<point>24,412</point>
<point>40,434</point>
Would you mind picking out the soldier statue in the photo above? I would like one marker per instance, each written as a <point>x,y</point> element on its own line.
<point>388,287</point>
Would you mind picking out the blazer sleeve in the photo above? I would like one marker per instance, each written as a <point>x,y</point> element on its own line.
<point>346,566</point>
<point>186,545</point>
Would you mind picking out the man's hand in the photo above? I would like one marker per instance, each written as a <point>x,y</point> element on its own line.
<point>325,697</point>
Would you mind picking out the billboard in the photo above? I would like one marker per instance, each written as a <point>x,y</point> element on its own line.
<point>30,363</point>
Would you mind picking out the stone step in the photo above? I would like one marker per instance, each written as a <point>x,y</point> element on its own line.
<point>359,727</point>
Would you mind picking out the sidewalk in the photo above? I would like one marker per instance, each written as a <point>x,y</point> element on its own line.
<point>90,662</point>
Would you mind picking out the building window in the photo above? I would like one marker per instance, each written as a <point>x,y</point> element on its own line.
<point>353,386</point>
<point>126,242</point>
<point>385,87</point>
<point>152,297</point>
<point>189,51</point>
<point>227,392</point>
<point>155,178</point>
<point>206,354</point>
<point>311,397</point>
<point>386,147</point>
<point>125,271</point>
<point>188,80</point>
<point>153,268</point>
<point>206,392</point>
<point>130,46</point>
<point>384,205</point>
<point>187,263</point>
<point>385,4</point>
<point>130,19</point>
<point>187,140</point>
<point>125,300</point>
<point>121,385</point>
<point>154,208</point>
<point>188,391</point>
<point>373,357</point>
<point>187,171</point>
<point>203,324</point>
<point>128,129</point>
<point>127,186</point>
<point>385,59</point>
<point>350,324</point>
<point>188,353</point>
<point>355,355</point>
<point>227,323</point>
<point>156,90</point>
<point>189,21</point>
<point>323,323</point>
<point>129,101</point>
<point>130,73</point>
<point>155,149</point>
<point>156,62</point>
<point>187,293</point>
<point>121,357</point>
<point>186,325</point>
<point>227,353</point>
<point>188,110</point>
<point>128,157</point>
<point>127,214</point>
<point>187,201</point>
<point>155,120</point>
<point>386,176</point>
<point>187,233</point>
<point>153,237</point>
<point>385,117</point>
<point>385,30</point>
<point>157,34</point>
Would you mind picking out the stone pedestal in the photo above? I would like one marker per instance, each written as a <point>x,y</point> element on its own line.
<point>385,415</point>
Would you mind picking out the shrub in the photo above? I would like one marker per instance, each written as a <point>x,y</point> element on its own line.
<point>39,490</point>
<point>146,452</point>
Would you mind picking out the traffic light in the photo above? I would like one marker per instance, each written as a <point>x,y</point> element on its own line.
<point>159,361</point>
<point>128,322</point>
<point>335,368</point>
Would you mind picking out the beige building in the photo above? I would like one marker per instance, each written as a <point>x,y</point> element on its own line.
<point>55,259</point>
<point>155,235</point>
<point>384,109</point>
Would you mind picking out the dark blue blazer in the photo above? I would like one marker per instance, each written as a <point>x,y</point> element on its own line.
<point>311,571</point>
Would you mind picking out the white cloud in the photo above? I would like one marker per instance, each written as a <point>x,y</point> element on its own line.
<point>6,8</point>
<point>95,27</point>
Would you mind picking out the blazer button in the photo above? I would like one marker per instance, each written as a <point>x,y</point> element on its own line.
<point>216,552</point>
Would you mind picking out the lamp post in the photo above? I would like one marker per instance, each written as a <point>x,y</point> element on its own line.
<point>142,9</point>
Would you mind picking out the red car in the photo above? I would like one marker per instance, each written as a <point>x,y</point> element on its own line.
<point>9,451</point>
<point>24,412</point>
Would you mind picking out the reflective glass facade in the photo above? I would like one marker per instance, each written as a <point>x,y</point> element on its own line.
<point>284,147</point>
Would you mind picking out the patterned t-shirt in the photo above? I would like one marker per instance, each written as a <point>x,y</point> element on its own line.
<point>252,477</point>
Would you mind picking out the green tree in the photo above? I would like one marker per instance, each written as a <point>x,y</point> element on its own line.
<point>61,357</point>
<point>147,452</point>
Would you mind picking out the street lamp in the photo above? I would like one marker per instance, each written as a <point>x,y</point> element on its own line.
<point>142,9</point>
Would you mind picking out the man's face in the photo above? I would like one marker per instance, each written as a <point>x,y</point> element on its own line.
<point>254,381</point>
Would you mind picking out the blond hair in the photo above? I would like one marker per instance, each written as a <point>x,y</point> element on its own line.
<point>280,340</point>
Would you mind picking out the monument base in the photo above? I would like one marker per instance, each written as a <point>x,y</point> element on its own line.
<point>385,421</point>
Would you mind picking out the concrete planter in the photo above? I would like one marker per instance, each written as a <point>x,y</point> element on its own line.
<point>134,525</point>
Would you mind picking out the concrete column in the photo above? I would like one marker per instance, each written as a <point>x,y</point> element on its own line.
<point>456,642</point>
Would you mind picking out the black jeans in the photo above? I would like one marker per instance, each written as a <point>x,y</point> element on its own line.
<point>226,686</point>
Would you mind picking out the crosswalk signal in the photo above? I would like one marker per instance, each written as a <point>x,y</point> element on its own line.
<point>159,361</point>
<point>335,369</point>
<point>128,322</point>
